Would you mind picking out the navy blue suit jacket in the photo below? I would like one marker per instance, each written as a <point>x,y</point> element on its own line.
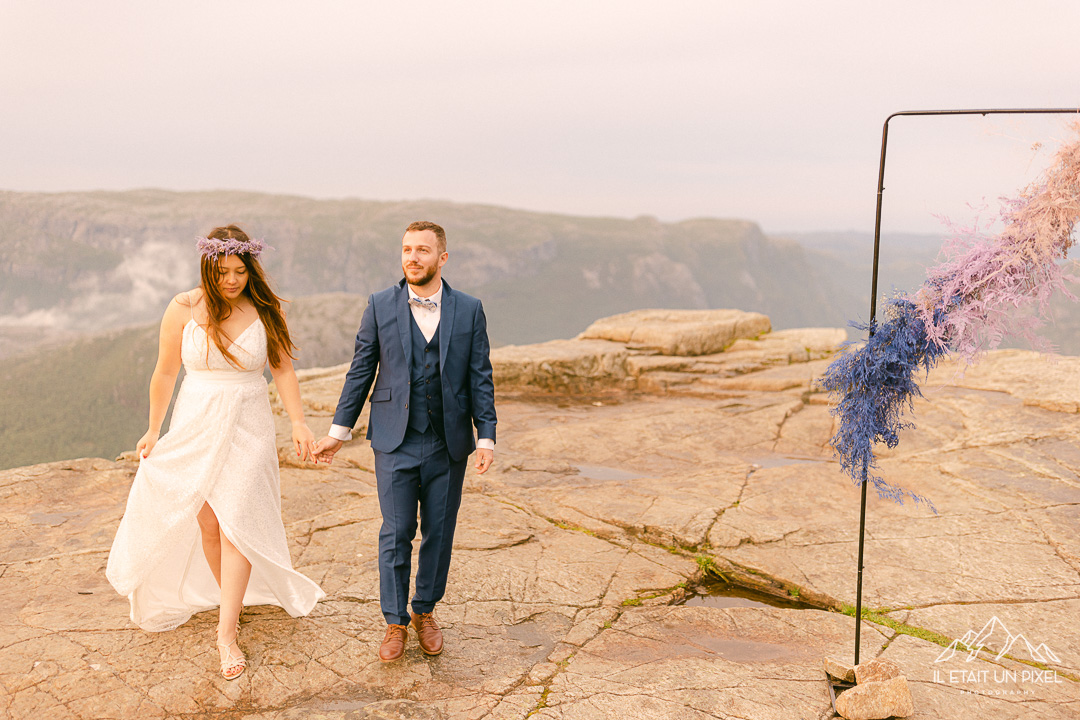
<point>383,355</point>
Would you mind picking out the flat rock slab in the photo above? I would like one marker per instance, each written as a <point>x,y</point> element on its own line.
<point>1049,382</point>
<point>560,366</point>
<point>679,332</point>
<point>600,512</point>
<point>664,351</point>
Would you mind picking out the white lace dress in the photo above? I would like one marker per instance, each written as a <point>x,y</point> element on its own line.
<point>219,449</point>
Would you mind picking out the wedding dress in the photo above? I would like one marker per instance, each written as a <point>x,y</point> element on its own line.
<point>220,449</point>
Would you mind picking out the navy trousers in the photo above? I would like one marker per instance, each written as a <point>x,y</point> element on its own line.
<point>418,473</point>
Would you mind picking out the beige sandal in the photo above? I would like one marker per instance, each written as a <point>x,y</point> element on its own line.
<point>232,666</point>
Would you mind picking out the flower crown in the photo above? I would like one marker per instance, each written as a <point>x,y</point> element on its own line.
<point>213,247</point>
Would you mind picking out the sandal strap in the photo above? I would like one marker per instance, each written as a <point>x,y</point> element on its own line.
<point>231,662</point>
<point>235,664</point>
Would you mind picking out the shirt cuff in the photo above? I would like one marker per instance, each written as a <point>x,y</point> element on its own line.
<point>485,444</point>
<point>340,432</point>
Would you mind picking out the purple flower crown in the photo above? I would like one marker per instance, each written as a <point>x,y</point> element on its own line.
<point>213,247</point>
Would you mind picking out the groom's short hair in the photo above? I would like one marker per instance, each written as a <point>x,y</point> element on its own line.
<point>440,234</point>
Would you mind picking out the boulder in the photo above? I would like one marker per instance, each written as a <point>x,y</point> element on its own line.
<point>839,670</point>
<point>876,670</point>
<point>679,332</point>
<point>876,700</point>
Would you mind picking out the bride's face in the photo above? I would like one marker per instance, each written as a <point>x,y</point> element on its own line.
<point>232,277</point>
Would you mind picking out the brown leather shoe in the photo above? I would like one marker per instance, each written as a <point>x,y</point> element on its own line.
<point>393,645</point>
<point>428,633</point>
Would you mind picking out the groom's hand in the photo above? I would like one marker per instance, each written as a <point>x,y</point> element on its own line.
<point>484,458</point>
<point>326,448</point>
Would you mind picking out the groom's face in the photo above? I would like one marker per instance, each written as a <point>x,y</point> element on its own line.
<point>421,260</point>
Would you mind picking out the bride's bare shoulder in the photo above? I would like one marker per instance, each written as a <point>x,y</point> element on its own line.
<point>190,298</point>
<point>183,306</point>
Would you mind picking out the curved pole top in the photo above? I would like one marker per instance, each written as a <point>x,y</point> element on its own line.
<point>881,170</point>
<point>987,111</point>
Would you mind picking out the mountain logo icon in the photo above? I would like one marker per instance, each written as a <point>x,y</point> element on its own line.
<point>995,635</point>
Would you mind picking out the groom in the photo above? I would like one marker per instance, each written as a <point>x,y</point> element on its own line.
<point>425,347</point>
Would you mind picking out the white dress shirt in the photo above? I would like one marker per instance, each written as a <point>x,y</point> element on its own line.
<point>428,322</point>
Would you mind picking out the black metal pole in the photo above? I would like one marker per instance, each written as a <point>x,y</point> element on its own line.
<point>874,284</point>
<point>858,592</point>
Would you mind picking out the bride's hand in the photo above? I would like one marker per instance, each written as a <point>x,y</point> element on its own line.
<point>304,442</point>
<point>146,443</point>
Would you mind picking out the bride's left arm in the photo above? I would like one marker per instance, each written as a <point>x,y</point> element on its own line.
<point>288,388</point>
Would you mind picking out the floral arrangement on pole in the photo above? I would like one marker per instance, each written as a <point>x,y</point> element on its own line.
<point>987,287</point>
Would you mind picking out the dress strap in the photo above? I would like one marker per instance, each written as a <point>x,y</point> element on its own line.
<point>191,305</point>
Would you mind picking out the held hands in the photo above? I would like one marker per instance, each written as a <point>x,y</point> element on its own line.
<point>484,458</point>
<point>146,443</point>
<point>325,449</point>
<point>304,442</point>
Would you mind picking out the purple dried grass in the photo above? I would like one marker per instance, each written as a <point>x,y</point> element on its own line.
<point>989,288</point>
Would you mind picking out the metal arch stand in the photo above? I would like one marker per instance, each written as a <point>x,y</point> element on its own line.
<point>873,308</point>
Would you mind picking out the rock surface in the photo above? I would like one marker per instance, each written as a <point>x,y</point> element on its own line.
<point>578,588</point>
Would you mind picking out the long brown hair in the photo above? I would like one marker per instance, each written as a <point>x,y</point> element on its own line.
<point>267,304</point>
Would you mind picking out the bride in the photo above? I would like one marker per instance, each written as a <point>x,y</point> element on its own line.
<point>212,479</point>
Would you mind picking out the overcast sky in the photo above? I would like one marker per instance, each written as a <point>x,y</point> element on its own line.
<point>770,111</point>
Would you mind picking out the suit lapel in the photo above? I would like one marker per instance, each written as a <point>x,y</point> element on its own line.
<point>446,324</point>
<point>404,317</point>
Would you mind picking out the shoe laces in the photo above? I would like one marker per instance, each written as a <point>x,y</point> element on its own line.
<point>427,620</point>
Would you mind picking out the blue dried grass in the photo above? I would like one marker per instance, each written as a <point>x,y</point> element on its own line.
<point>876,383</point>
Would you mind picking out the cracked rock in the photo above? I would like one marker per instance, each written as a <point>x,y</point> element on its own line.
<point>564,597</point>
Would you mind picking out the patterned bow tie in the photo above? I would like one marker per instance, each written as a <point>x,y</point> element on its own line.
<point>423,303</point>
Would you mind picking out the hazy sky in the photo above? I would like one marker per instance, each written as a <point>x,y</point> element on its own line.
<point>770,111</point>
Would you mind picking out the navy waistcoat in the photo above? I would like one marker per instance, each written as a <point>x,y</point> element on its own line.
<point>425,394</point>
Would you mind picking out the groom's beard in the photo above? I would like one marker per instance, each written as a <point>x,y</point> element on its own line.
<point>428,276</point>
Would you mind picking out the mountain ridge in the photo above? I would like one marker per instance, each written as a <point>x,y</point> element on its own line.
<point>74,265</point>
<point>107,259</point>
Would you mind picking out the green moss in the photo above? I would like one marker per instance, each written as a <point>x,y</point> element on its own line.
<point>662,591</point>
<point>569,526</point>
<point>709,567</point>
<point>541,703</point>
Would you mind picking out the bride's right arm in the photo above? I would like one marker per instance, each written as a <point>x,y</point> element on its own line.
<point>166,370</point>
